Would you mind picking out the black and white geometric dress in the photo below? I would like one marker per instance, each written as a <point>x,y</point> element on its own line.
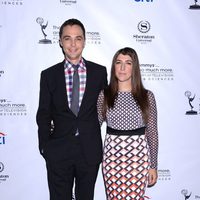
<point>127,158</point>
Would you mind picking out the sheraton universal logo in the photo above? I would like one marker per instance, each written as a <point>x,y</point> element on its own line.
<point>3,176</point>
<point>12,2</point>
<point>68,2</point>
<point>143,36</point>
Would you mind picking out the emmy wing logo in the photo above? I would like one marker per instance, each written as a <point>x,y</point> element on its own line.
<point>195,6</point>
<point>40,21</point>
<point>188,94</point>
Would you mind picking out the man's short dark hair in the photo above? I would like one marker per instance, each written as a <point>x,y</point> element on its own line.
<point>72,22</point>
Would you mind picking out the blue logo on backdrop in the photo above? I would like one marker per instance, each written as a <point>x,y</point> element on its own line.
<point>2,138</point>
<point>144,1</point>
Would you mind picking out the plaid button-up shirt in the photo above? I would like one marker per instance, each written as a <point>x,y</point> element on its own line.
<point>69,71</point>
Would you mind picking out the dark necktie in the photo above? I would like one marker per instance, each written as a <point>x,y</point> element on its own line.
<point>75,91</point>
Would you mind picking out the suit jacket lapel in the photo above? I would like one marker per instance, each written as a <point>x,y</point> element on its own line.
<point>61,84</point>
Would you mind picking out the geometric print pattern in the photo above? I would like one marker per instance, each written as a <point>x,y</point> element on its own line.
<point>126,115</point>
<point>127,110</point>
<point>125,166</point>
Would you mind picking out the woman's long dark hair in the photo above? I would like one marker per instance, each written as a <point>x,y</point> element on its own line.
<point>138,90</point>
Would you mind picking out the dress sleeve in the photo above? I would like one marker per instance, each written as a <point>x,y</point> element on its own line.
<point>152,130</point>
<point>100,107</point>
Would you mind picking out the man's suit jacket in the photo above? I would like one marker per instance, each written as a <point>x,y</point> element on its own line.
<point>53,106</point>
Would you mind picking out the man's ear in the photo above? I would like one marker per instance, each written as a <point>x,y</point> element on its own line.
<point>60,43</point>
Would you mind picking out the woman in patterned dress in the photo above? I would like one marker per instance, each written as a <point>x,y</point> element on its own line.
<point>131,143</point>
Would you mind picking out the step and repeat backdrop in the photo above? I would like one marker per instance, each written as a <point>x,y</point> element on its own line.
<point>166,36</point>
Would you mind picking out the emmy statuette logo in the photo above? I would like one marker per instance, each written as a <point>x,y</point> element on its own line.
<point>184,192</point>
<point>195,6</point>
<point>190,99</point>
<point>40,21</point>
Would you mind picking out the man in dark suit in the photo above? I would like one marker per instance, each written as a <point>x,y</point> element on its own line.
<point>69,140</point>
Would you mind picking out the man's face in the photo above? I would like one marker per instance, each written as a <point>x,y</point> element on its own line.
<point>73,42</point>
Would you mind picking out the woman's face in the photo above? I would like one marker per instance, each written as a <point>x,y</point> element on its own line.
<point>123,68</point>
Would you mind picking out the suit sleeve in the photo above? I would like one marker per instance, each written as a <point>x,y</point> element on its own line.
<point>44,113</point>
<point>105,81</point>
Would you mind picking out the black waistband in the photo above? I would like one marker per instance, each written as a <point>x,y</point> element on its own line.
<point>138,131</point>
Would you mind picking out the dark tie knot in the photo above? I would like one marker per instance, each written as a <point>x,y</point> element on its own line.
<point>75,67</point>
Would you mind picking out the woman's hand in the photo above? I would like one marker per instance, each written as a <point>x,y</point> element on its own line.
<point>153,175</point>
